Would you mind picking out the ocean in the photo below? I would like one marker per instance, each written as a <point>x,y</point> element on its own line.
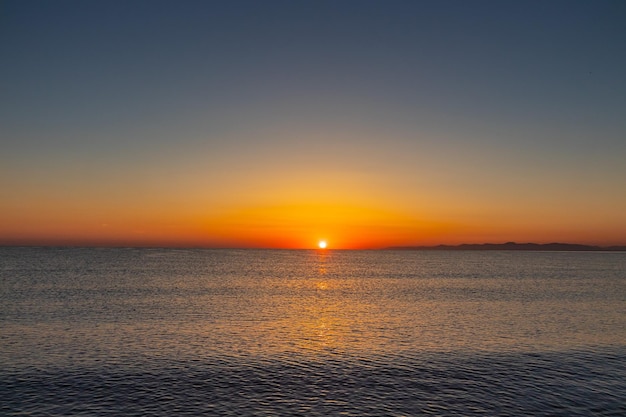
<point>173,332</point>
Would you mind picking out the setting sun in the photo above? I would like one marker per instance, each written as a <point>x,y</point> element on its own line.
<point>322,244</point>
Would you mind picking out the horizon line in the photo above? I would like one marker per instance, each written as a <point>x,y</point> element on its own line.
<point>441,246</point>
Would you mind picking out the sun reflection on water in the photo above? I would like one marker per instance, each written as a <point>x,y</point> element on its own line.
<point>322,285</point>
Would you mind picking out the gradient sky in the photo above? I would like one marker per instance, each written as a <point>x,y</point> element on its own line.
<point>279,123</point>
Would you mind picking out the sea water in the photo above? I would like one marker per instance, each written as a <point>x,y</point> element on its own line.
<point>163,332</point>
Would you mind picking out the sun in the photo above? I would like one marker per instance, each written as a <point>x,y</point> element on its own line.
<point>322,244</point>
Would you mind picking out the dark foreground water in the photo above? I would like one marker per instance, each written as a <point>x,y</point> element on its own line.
<point>364,333</point>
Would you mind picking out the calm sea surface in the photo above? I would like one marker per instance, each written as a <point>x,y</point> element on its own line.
<point>162,332</point>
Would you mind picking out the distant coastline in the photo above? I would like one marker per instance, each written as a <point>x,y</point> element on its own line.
<point>516,246</point>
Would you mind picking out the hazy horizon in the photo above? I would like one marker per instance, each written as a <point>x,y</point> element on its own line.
<point>152,245</point>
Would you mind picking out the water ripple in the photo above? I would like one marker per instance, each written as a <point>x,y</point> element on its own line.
<point>542,384</point>
<point>138,332</point>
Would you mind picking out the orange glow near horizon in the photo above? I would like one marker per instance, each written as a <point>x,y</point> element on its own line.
<point>355,220</point>
<point>303,226</point>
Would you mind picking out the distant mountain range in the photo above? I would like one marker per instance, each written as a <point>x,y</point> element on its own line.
<point>515,246</point>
